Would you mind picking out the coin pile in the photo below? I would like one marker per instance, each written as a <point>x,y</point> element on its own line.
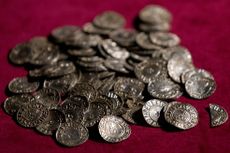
<point>102,75</point>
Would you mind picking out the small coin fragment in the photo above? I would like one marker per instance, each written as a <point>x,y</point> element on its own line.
<point>181,115</point>
<point>151,111</point>
<point>113,129</point>
<point>72,134</point>
<point>218,115</point>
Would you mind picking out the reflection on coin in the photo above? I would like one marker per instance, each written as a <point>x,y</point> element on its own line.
<point>218,115</point>
<point>181,115</point>
<point>149,69</point>
<point>200,87</point>
<point>164,88</point>
<point>22,85</point>
<point>113,129</point>
<point>32,114</point>
<point>72,134</point>
<point>151,111</point>
<point>177,65</point>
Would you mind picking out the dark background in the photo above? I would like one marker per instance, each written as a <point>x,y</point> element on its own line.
<point>204,27</point>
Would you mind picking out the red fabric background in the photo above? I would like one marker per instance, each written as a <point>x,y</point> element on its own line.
<point>204,27</point>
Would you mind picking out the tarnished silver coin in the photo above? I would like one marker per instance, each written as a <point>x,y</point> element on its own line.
<point>218,115</point>
<point>164,39</point>
<point>116,65</point>
<point>124,37</point>
<point>187,74</point>
<point>59,69</point>
<point>51,123</point>
<point>72,134</point>
<point>82,52</point>
<point>177,65</point>
<point>113,129</point>
<point>151,111</point>
<point>65,34</point>
<point>22,85</point>
<point>162,26</point>
<point>109,20</point>
<point>149,69</point>
<point>91,29</point>
<point>21,54</point>
<point>32,114</point>
<point>164,88</point>
<point>63,84</point>
<point>49,97</point>
<point>144,42</point>
<point>14,103</point>
<point>129,87</point>
<point>167,53</point>
<point>200,87</point>
<point>112,49</point>
<point>154,14</point>
<point>181,115</point>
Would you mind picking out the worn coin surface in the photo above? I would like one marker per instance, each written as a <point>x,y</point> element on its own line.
<point>14,103</point>
<point>144,42</point>
<point>72,134</point>
<point>32,114</point>
<point>22,85</point>
<point>113,129</point>
<point>151,111</point>
<point>181,115</point>
<point>200,87</point>
<point>218,115</point>
<point>164,88</point>
<point>149,69</point>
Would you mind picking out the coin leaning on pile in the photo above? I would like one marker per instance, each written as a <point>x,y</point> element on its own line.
<point>104,75</point>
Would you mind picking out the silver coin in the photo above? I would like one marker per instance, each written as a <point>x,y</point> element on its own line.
<point>167,53</point>
<point>32,114</point>
<point>188,73</point>
<point>91,29</point>
<point>72,134</point>
<point>112,49</point>
<point>113,129</point>
<point>164,39</point>
<point>116,65</point>
<point>151,111</point>
<point>129,87</point>
<point>149,69</point>
<point>177,65</point>
<point>181,115</point>
<point>51,123</point>
<point>143,41</point>
<point>124,37</point>
<point>109,20</point>
<point>82,52</point>
<point>218,115</point>
<point>22,85</point>
<point>164,26</point>
<point>154,14</point>
<point>200,87</point>
<point>164,88</point>
<point>49,97</point>
<point>14,103</point>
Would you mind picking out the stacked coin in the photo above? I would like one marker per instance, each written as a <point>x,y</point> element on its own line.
<point>104,75</point>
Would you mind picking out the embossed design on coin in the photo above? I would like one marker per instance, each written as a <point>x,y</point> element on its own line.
<point>164,88</point>
<point>218,115</point>
<point>72,134</point>
<point>181,115</point>
<point>151,111</point>
<point>113,129</point>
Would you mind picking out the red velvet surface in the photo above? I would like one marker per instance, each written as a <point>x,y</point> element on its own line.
<point>204,27</point>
